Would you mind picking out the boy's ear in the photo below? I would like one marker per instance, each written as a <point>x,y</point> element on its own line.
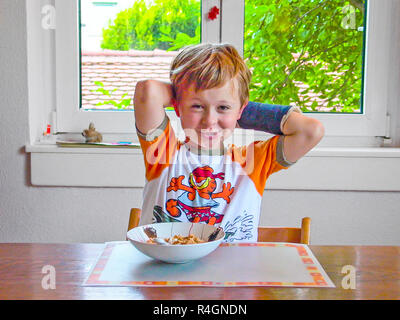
<point>175,104</point>
<point>242,108</point>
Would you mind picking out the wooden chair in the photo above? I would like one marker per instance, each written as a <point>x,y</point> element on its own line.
<point>286,234</point>
<point>265,234</point>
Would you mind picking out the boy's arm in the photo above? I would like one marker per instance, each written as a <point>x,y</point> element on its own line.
<point>151,97</point>
<point>264,117</point>
<point>301,135</point>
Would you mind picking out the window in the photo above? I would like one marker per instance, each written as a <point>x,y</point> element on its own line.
<point>306,53</point>
<point>368,123</point>
<point>135,40</point>
<point>114,49</point>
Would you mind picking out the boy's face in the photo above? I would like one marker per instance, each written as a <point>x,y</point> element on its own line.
<point>209,116</point>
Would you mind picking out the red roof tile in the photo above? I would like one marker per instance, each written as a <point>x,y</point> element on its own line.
<point>119,71</point>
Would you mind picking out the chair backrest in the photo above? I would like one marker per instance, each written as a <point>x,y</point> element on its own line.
<point>134,218</point>
<point>283,234</point>
<point>265,234</point>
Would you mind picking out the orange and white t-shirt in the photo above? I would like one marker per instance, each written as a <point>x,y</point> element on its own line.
<point>221,189</point>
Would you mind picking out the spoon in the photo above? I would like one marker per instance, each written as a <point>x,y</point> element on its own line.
<point>214,235</point>
<point>152,234</point>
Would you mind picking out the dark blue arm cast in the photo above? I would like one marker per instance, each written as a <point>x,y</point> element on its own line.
<point>263,117</point>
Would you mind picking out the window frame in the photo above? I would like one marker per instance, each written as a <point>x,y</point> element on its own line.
<point>69,117</point>
<point>372,123</point>
<point>366,129</point>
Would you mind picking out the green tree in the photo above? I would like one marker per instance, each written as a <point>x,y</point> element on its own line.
<point>313,42</point>
<point>154,25</point>
<point>124,103</point>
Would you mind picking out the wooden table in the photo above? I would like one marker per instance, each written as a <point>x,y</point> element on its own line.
<point>377,276</point>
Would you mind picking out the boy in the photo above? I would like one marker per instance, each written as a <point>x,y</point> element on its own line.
<point>201,179</point>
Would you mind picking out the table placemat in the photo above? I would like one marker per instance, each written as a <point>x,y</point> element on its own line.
<point>230,265</point>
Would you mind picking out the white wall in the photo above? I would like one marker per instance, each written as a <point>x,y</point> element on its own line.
<point>59,214</point>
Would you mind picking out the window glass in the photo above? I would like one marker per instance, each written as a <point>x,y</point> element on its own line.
<point>124,41</point>
<point>308,53</point>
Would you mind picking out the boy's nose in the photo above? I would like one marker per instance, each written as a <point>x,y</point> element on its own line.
<point>209,118</point>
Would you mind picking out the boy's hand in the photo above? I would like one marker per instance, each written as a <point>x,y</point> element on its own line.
<point>302,133</point>
<point>151,97</point>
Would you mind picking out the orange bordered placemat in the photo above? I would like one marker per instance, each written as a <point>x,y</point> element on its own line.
<point>230,265</point>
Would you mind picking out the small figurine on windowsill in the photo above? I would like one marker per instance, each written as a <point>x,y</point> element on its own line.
<point>91,134</point>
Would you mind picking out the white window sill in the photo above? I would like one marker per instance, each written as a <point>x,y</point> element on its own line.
<point>324,168</point>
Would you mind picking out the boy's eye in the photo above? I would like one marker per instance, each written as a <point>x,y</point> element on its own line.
<point>224,108</point>
<point>196,106</point>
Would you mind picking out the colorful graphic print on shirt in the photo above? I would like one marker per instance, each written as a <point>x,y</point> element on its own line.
<point>197,200</point>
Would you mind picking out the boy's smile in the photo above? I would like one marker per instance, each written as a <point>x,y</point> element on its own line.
<point>209,116</point>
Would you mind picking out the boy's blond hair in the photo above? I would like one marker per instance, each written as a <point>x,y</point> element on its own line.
<point>209,66</point>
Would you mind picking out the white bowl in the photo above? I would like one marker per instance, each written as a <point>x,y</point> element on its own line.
<point>176,253</point>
